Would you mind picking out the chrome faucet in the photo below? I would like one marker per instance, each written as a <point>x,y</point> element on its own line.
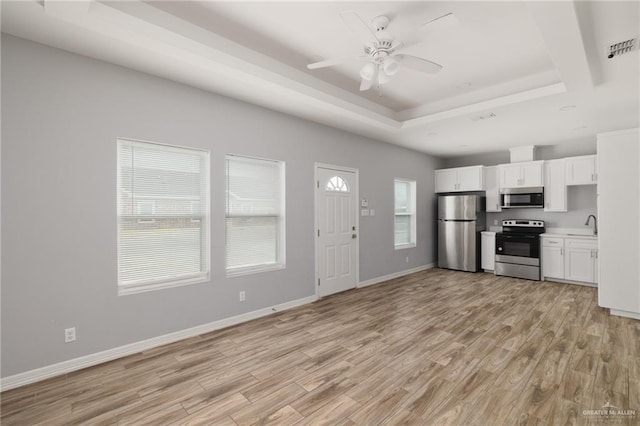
<point>595,223</point>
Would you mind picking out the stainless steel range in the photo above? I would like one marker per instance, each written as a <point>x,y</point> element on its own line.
<point>518,248</point>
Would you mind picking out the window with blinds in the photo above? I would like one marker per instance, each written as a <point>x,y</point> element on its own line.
<point>254,215</point>
<point>163,216</point>
<point>405,213</point>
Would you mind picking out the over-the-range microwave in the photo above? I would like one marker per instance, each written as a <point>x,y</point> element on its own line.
<point>519,198</point>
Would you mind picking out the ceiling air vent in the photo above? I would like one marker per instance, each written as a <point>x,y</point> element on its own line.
<point>483,116</point>
<point>622,47</point>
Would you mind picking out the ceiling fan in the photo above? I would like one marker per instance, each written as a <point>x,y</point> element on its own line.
<point>382,51</point>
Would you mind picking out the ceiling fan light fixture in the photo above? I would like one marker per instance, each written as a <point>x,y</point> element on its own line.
<point>367,71</point>
<point>383,78</point>
<point>391,66</point>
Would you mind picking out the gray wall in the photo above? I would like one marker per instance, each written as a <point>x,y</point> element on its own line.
<point>61,115</point>
<point>569,148</point>
<point>581,200</point>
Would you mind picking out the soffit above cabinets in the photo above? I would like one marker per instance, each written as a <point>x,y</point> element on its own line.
<point>509,68</point>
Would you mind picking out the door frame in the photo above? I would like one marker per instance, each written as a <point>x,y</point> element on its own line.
<point>317,166</point>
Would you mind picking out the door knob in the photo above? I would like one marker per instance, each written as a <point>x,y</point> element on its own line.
<point>354,236</point>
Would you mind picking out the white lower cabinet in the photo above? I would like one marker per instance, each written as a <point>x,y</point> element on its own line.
<point>488,247</point>
<point>571,259</point>
<point>553,258</point>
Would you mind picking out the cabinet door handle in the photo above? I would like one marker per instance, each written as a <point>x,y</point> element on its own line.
<point>592,177</point>
<point>561,252</point>
<point>497,206</point>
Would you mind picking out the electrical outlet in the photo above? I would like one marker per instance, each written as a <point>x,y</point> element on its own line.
<point>242,296</point>
<point>495,222</point>
<point>69,335</point>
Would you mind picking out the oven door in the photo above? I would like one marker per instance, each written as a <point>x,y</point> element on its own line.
<point>523,246</point>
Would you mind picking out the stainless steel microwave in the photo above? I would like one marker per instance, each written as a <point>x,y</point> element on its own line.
<point>520,198</point>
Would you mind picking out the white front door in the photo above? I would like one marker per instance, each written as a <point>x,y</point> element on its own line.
<point>337,233</point>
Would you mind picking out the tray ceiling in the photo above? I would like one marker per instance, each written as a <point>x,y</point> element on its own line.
<point>509,67</point>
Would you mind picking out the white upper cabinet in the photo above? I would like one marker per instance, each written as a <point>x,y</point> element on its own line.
<point>492,188</point>
<point>581,170</point>
<point>446,180</point>
<point>459,179</point>
<point>521,175</point>
<point>555,190</point>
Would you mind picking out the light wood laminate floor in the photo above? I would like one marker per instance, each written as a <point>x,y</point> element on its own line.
<point>435,347</point>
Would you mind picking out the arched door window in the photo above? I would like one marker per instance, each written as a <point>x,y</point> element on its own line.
<point>336,183</point>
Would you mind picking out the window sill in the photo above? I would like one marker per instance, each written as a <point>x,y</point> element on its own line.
<point>405,246</point>
<point>125,290</point>
<point>253,270</point>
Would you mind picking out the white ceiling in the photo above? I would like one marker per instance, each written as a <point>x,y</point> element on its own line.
<point>521,61</point>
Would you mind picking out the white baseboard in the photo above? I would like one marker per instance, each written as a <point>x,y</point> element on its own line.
<point>383,278</point>
<point>625,314</point>
<point>49,371</point>
<point>75,364</point>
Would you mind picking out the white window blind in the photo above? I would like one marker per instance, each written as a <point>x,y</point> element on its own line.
<point>405,213</point>
<point>163,216</point>
<point>254,215</point>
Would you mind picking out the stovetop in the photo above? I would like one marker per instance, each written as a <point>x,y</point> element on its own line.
<point>523,226</point>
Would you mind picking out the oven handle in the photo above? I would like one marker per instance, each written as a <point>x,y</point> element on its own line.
<point>531,237</point>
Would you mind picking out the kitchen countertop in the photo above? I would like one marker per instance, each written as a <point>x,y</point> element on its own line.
<point>584,237</point>
<point>584,233</point>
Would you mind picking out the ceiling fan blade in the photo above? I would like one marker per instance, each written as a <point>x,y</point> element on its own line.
<point>334,61</point>
<point>419,64</point>
<point>417,34</point>
<point>366,84</point>
<point>397,45</point>
<point>360,28</point>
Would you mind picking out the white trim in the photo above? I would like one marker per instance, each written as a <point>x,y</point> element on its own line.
<point>563,281</point>
<point>405,246</point>
<point>53,370</point>
<point>626,314</point>
<point>126,289</point>
<point>248,270</point>
<point>281,219</point>
<point>388,277</point>
<point>412,213</point>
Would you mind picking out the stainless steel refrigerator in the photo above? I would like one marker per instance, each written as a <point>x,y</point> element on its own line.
<point>461,218</point>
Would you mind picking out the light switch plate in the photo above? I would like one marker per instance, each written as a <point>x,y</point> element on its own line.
<point>364,212</point>
<point>372,212</point>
